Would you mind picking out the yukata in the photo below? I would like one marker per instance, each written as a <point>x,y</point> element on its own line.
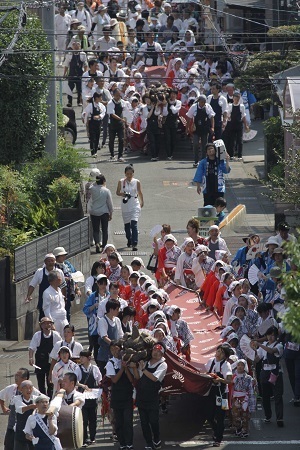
<point>60,369</point>
<point>184,271</point>
<point>243,402</point>
<point>182,334</point>
<point>114,274</point>
<point>167,259</point>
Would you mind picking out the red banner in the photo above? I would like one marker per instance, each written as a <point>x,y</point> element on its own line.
<point>204,325</point>
<point>182,377</point>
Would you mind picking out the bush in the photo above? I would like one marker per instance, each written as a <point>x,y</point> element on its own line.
<point>69,189</point>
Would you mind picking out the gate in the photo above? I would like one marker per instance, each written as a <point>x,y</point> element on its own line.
<point>5,298</point>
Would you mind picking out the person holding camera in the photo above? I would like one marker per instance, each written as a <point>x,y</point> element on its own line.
<point>118,112</point>
<point>130,189</point>
<point>157,114</point>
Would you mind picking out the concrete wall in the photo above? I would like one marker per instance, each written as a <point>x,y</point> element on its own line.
<point>24,316</point>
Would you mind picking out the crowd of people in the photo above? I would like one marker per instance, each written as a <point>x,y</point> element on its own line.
<point>121,299</point>
<point>107,52</point>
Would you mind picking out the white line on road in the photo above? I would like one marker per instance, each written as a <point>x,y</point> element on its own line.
<point>192,443</point>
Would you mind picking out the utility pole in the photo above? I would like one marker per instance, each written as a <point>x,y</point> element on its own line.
<point>47,15</point>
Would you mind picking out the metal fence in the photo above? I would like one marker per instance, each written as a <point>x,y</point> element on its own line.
<point>29,257</point>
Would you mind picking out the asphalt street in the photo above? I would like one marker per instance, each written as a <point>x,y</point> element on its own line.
<point>170,197</point>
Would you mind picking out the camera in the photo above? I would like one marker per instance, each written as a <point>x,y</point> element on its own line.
<point>127,197</point>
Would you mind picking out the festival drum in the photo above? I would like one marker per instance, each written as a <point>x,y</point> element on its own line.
<point>70,427</point>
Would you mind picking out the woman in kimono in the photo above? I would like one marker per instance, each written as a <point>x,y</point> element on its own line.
<point>184,275</point>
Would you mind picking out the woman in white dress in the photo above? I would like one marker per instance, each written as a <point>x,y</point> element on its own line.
<point>131,205</point>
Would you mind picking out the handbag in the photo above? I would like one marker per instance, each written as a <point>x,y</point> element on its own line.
<point>152,263</point>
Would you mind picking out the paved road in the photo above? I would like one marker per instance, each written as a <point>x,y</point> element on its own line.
<point>170,197</point>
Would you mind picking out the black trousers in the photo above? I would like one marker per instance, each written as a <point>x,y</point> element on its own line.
<point>215,414</point>
<point>42,380</point>
<point>170,139</point>
<point>94,346</point>
<point>200,153</point>
<point>268,390</point>
<point>154,143</point>
<point>96,221</point>
<point>292,362</point>
<point>9,439</point>
<point>72,83</point>
<point>150,425</point>
<point>89,415</point>
<point>124,424</point>
<point>94,130</point>
<point>22,445</point>
<point>233,139</point>
<point>113,132</point>
<point>210,198</point>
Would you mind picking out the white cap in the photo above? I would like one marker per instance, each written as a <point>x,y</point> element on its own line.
<point>49,255</point>
<point>213,227</point>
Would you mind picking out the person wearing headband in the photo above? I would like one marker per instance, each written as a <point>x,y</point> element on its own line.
<point>149,376</point>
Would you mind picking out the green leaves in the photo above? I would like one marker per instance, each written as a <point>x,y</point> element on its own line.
<point>23,87</point>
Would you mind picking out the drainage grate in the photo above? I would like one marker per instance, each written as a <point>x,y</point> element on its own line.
<point>13,356</point>
<point>134,253</point>
<point>119,233</point>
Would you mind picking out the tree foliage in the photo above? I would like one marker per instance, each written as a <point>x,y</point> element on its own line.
<point>23,106</point>
<point>291,282</point>
<point>263,65</point>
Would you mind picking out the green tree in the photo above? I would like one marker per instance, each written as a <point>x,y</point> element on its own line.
<point>23,87</point>
<point>260,67</point>
<point>291,282</point>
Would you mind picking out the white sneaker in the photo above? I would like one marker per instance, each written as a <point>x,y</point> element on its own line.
<point>121,160</point>
<point>113,158</point>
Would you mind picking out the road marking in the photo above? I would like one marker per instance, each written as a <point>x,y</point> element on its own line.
<point>192,443</point>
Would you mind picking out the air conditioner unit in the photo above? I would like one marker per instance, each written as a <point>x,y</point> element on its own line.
<point>206,214</point>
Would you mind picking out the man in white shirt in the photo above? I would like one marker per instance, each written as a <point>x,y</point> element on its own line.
<point>109,329</point>
<point>74,67</point>
<point>104,43</point>
<point>214,241</point>
<point>41,278</point>
<point>24,405</point>
<point>72,396</point>
<point>284,235</point>
<point>119,117</point>
<point>202,116</point>
<point>54,303</point>
<point>151,51</point>
<point>41,345</point>
<point>219,104</point>
<point>7,396</point>
<point>62,26</point>
<point>83,16</point>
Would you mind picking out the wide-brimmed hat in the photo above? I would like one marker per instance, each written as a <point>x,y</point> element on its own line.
<point>113,22</point>
<point>59,251</point>
<point>75,21</point>
<point>102,8</point>
<point>122,15</point>
<point>272,241</point>
<point>278,251</point>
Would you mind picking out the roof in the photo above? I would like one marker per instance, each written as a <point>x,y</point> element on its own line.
<point>256,4</point>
